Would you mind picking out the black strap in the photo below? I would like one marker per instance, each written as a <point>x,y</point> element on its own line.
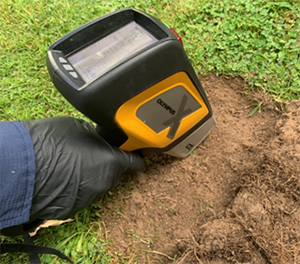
<point>32,250</point>
<point>33,258</point>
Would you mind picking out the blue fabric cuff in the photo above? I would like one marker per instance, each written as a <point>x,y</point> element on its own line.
<point>17,174</point>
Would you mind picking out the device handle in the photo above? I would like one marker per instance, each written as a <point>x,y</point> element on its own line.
<point>114,138</point>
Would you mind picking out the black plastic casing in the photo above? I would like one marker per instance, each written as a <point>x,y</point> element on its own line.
<point>100,99</point>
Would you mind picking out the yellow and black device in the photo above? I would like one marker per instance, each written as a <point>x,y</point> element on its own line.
<point>128,72</point>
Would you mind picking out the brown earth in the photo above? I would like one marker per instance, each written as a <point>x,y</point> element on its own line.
<point>236,199</point>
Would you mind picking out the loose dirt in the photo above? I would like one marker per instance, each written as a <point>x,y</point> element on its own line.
<point>236,199</point>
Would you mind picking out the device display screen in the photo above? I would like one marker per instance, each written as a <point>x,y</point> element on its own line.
<point>106,53</point>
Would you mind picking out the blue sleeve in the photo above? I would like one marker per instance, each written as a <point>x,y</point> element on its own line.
<point>17,174</point>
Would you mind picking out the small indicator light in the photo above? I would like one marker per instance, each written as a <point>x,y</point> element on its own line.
<point>177,36</point>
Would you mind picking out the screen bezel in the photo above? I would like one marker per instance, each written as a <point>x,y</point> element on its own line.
<point>91,32</point>
<point>111,64</point>
<point>100,28</point>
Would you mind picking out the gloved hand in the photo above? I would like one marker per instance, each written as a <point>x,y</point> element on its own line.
<point>74,166</point>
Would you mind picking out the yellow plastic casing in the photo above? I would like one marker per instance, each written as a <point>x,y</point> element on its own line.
<point>140,135</point>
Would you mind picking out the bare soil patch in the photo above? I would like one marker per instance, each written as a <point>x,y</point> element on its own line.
<point>234,200</point>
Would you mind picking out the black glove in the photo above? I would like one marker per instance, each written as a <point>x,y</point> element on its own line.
<point>74,166</point>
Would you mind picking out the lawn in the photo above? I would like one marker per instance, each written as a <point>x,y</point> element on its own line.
<point>257,40</point>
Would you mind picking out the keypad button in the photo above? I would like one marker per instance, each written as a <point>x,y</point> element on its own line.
<point>62,60</point>
<point>74,74</point>
<point>68,67</point>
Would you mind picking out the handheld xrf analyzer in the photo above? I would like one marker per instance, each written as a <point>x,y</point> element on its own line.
<point>128,72</point>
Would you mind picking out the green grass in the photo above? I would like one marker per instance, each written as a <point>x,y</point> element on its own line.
<point>256,39</point>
